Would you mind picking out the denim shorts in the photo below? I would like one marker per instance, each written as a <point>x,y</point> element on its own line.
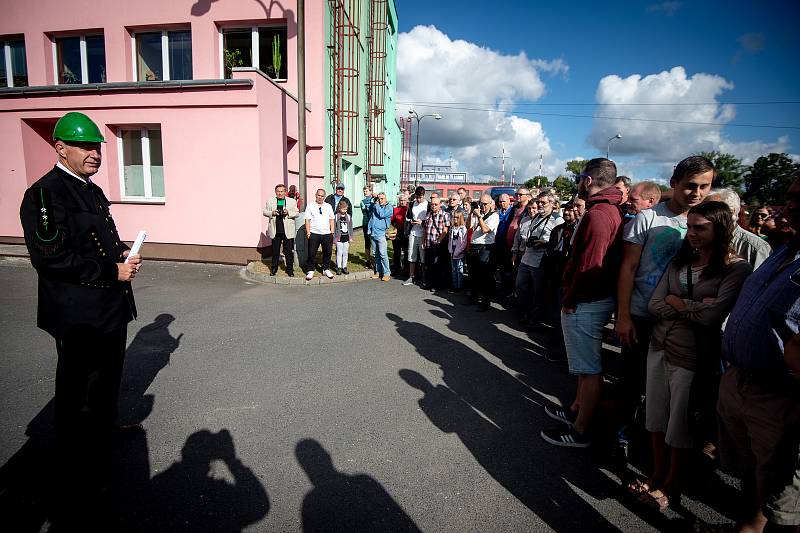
<point>583,335</point>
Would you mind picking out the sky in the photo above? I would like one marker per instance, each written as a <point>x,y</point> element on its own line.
<point>552,82</point>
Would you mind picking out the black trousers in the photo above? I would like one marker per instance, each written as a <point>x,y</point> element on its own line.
<point>88,376</point>
<point>279,240</point>
<point>481,274</point>
<point>437,266</point>
<point>367,240</point>
<point>399,250</point>
<point>314,243</point>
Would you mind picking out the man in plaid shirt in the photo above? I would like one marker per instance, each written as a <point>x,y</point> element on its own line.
<point>435,244</point>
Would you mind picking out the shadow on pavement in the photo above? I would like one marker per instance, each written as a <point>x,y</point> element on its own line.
<point>498,417</point>
<point>104,483</point>
<point>344,502</point>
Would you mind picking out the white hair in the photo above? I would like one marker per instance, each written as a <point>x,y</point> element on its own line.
<point>729,197</point>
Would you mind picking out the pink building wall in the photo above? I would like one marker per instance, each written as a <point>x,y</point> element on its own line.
<point>224,147</point>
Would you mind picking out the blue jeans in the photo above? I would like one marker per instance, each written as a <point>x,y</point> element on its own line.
<point>583,335</point>
<point>457,271</point>
<point>381,255</point>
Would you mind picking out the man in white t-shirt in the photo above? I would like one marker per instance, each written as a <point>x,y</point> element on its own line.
<point>484,222</point>
<point>319,231</point>
<point>650,242</point>
<point>418,214</point>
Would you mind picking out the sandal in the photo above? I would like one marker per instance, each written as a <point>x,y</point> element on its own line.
<point>655,499</point>
<point>638,487</point>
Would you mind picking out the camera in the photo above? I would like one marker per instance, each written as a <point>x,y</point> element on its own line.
<point>474,205</point>
<point>531,242</point>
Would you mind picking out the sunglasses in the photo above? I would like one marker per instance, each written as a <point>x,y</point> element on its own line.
<point>580,176</point>
<point>320,210</point>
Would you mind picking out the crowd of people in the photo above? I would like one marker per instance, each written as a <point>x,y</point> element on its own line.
<point>704,305</point>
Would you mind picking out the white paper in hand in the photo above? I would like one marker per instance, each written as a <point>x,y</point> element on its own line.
<point>137,244</point>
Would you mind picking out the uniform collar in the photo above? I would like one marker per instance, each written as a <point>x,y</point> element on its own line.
<point>71,173</point>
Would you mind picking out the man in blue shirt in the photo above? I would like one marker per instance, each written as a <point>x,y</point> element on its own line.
<point>759,401</point>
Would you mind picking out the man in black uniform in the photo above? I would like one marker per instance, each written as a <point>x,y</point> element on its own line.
<point>85,296</point>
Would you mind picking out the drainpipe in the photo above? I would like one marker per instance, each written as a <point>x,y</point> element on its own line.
<point>302,188</point>
<point>301,95</point>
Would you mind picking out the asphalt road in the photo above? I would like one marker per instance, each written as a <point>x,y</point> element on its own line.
<point>353,406</point>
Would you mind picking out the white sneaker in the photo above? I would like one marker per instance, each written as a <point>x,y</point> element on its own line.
<point>309,275</point>
<point>409,281</point>
<point>328,273</point>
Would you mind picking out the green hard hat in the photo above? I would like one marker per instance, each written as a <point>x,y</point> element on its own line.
<point>77,127</point>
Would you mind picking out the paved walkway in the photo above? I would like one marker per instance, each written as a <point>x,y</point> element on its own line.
<point>367,406</point>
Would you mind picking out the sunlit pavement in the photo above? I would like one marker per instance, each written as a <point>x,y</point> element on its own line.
<point>350,406</point>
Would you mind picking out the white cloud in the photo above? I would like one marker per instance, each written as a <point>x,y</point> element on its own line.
<point>752,42</point>
<point>665,143</point>
<point>433,68</point>
<point>667,8</point>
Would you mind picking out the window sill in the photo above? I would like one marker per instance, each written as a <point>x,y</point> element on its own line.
<point>140,200</point>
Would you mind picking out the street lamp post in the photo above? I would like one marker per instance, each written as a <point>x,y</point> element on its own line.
<point>413,114</point>
<point>608,144</point>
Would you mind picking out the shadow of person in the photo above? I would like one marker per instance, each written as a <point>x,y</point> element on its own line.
<point>44,483</point>
<point>209,489</point>
<point>492,413</point>
<point>149,352</point>
<point>343,502</point>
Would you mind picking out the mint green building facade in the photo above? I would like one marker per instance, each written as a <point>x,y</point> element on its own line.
<point>363,142</point>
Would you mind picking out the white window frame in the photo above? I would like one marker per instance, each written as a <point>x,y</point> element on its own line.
<point>165,66</point>
<point>84,57</point>
<point>254,47</point>
<point>148,178</point>
<point>7,55</point>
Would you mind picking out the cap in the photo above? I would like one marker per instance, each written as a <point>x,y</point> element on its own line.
<point>339,186</point>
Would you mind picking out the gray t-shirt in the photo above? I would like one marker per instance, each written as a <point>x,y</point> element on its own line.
<point>660,233</point>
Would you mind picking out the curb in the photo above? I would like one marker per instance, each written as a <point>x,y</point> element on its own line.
<point>299,279</point>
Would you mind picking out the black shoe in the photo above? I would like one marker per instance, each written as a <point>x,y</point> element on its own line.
<point>345,272</point>
<point>290,273</point>
<point>562,415</point>
<point>273,271</point>
<point>338,271</point>
<point>565,436</point>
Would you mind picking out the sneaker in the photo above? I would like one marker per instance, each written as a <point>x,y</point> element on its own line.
<point>309,275</point>
<point>345,272</point>
<point>375,275</point>
<point>409,281</point>
<point>560,414</point>
<point>328,274</point>
<point>566,437</point>
<point>386,278</point>
<point>338,271</point>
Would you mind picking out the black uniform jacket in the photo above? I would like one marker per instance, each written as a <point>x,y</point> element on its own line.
<point>74,246</point>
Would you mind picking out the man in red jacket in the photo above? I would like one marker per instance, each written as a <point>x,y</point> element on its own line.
<point>590,280</point>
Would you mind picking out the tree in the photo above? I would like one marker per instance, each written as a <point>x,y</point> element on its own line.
<point>565,187</point>
<point>537,181</point>
<point>768,179</point>
<point>730,170</point>
<point>575,167</point>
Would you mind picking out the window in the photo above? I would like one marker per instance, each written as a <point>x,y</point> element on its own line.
<point>80,59</point>
<point>141,164</point>
<point>163,55</point>
<point>13,64</point>
<point>263,47</point>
